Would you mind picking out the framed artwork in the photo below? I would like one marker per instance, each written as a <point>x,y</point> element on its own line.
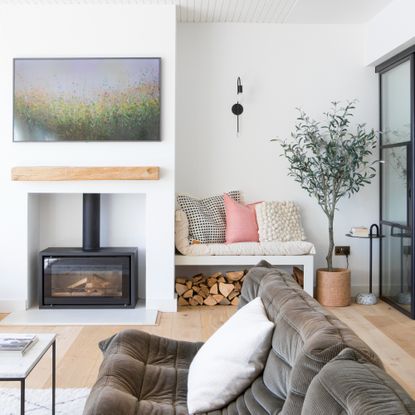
<point>86,99</point>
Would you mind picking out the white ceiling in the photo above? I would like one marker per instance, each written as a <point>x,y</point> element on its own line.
<point>253,11</point>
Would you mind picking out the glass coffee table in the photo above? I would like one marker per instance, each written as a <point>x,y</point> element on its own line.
<point>15,367</point>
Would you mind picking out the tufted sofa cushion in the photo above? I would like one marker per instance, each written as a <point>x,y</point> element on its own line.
<point>146,374</point>
<point>142,374</point>
<point>351,385</point>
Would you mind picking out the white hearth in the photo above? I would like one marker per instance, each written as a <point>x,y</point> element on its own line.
<point>64,317</point>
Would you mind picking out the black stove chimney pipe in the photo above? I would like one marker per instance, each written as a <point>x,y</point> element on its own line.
<point>91,221</point>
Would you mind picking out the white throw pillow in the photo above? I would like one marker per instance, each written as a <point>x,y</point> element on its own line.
<point>230,360</point>
<point>279,221</point>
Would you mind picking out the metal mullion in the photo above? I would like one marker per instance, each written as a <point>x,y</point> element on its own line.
<point>400,144</point>
<point>412,81</point>
<point>395,225</point>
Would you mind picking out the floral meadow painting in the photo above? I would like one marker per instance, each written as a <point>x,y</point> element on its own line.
<point>87,99</point>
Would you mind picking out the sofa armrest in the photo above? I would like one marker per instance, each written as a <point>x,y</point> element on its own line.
<point>351,384</point>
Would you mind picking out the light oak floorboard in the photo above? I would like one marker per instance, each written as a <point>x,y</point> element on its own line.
<point>389,333</point>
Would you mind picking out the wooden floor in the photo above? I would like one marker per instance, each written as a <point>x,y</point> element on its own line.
<point>385,330</point>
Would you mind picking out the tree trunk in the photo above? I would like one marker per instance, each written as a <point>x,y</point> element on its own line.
<point>329,257</point>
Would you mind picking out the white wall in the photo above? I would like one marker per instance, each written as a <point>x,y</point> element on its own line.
<point>282,67</point>
<point>391,31</point>
<point>47,30</point>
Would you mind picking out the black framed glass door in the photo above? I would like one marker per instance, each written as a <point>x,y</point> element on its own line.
<point>396,181</point>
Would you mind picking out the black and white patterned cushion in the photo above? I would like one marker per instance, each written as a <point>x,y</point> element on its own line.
<point>207,218</point>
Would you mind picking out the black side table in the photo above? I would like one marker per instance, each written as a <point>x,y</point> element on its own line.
<point>368,298</point>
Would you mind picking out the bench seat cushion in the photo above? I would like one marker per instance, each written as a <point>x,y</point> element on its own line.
<point>274,248</point>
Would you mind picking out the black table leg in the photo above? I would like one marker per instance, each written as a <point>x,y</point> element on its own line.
<point>22,396</point>
<point>53,376</point>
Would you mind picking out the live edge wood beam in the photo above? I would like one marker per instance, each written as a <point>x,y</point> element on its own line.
<point>38,173</point>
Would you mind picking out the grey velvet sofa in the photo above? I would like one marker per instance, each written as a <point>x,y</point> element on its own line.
<point>316,365</point>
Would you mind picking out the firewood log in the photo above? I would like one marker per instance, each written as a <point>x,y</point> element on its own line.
<point>193,302</point>
<point>211,281</point>
<point>180,288</point>
<point>214,289</point>
<point>234,275</point>
<point>183,301</point>
<point>204,292</point>
<point>188,294</point>
<point>225,289</point>
<point>218,297</point>
<point>180,280</point>
<point>199,299</point>
<point>216,275</point>
<point>189,284</point>
<point>197,278</point>
<point>210,301</point>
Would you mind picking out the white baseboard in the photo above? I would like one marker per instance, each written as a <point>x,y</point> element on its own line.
<point>161,304</point>
<point>9,306</point>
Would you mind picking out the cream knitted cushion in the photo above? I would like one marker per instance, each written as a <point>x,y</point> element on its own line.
<point>279,221</point>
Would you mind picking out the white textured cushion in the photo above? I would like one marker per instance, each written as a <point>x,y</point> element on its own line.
<point>274,248</point>
<point>279,221</point>
<point>230,360</point>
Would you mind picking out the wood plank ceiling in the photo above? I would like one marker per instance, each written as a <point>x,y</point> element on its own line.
<point>241,11</point>
<point>201,11</point>
<point>250,11</point>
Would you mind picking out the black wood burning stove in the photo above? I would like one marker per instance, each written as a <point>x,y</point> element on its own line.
<point>91,276</point>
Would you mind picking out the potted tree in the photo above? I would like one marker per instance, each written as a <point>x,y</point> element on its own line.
<point>330,160</point>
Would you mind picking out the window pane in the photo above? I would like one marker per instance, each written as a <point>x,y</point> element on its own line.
<point>396,266</point>
<point>394,185</point>
<point>396,104</point>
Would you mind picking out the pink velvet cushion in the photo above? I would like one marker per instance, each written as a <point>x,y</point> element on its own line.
<point>241,224</point>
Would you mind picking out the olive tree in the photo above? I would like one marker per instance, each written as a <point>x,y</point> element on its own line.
<point>330,160</point>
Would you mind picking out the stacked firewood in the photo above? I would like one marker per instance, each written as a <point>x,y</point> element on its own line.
<point>218,288</point>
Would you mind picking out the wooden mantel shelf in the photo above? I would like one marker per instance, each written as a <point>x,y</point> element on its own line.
<point>84,173</point>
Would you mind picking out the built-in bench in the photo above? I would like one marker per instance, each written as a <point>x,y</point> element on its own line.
<point>292,253</point>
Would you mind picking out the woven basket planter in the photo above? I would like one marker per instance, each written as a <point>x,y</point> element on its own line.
<point>333,287</point>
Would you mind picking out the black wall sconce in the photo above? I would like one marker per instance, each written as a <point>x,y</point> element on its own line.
<point>237,108</point>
